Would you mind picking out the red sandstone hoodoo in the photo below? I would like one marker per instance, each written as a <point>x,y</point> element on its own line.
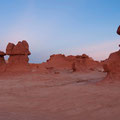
<point>18,53</point>
<point>18,57</point>
<point>112,64</point>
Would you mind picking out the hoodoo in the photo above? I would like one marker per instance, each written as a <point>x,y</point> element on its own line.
<point>112,64</point>
<point>18,56</point>
<point>18,53</point>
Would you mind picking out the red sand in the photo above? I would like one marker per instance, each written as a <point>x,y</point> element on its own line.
<point>35,96</point>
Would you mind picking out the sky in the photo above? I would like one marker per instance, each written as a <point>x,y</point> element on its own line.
<point>70,27</point>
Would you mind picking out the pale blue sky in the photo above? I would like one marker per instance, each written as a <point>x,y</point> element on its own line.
<point>61,26</point>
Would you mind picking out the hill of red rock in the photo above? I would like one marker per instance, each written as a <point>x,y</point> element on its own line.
<point>60,62</point>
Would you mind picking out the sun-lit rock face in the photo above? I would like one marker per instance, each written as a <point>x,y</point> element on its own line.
<point>18,53</point>
<point>112,66</point>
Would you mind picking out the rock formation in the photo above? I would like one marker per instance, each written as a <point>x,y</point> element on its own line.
<point>2,61</point>
<point>112,66</point>
<point>18,53</point>
<point>85,63</point>
<point>118,30</point>
<point>18,56</point>
<point>79,63</point>
<point>58,61</point>
<point>18,61</point>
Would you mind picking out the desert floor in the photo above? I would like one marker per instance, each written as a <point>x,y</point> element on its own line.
<point>64,96</point>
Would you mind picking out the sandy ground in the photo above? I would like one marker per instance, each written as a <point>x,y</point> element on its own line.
<point>64,96</point>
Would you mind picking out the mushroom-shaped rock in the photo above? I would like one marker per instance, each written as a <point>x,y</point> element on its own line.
<point>18,53</point>
<point>118,30</point>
